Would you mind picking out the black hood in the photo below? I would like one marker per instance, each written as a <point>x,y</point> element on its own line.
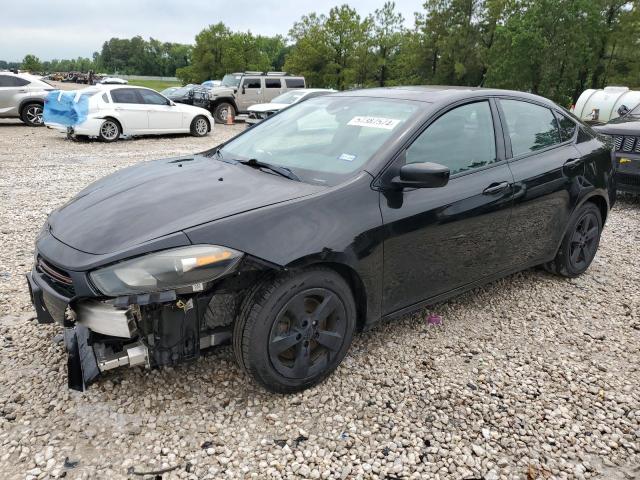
<point>627,125</point>
<point>153,199</point>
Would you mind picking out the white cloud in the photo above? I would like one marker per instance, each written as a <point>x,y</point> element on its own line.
<point>68,29</point>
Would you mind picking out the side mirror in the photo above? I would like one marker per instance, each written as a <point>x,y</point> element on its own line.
<point>422,175</point>
<point>623,110</point>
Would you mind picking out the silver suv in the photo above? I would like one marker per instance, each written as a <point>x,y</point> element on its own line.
<point>22,96</point>
<point>239,91</point>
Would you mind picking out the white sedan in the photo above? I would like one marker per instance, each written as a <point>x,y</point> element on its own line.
<point>109,111</point>
<point>260,111</point>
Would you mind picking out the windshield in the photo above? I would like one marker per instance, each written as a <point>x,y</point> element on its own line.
<point>324,140</point>
<point>290,97</point>
<point>231,80</point>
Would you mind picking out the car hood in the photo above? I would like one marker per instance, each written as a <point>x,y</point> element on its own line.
<point>154,199</point>
<point>627,125</point>
<point>267,107</point>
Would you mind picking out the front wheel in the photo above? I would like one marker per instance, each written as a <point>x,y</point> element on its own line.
<point>294,330</point>
<point>222,112</point>
<point>199,126</point>
<point>32,114</point>
<point>580,242</point>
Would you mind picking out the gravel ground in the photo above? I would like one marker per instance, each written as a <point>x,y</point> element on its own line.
<point>531,377</point>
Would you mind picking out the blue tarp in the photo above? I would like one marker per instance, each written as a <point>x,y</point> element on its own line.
<point>66,108</point>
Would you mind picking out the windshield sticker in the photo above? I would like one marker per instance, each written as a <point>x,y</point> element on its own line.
<point>374,122</point>
<point>347,157</point>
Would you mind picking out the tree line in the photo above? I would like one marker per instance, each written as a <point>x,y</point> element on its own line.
<point>555,48</point>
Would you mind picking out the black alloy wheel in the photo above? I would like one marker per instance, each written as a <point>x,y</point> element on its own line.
<point>294,330</point>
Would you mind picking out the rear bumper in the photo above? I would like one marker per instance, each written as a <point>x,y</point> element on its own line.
<point>90,127</point>
<point>628,172</point>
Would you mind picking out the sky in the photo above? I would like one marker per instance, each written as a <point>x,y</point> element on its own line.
<point>68,29</point>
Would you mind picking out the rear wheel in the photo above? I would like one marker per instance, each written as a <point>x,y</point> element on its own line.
<point>222,112</point>
<point>32,114</point>
<point>109,130</point>
<point>580,243</point>
<point>293,331</point>
<point>199,126</point>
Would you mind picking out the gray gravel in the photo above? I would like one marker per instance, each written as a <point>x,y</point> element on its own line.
<point>531,377</point>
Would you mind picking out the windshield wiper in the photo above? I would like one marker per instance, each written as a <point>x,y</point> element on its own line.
<point>282,171</point>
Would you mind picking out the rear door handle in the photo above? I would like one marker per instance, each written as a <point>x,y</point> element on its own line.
<point>496,188</point>
<point>573,162</point>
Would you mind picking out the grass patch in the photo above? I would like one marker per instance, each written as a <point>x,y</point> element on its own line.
<point>157,85</point>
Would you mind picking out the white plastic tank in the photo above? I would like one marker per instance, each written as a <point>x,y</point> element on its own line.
<point>602,105</point>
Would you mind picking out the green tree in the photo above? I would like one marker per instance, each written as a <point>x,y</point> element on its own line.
<point>388,30</point>
<point>31,63</point>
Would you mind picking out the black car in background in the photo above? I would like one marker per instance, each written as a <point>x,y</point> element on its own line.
<point>316,223</point>
<point>625,134</point>
<point>191,94</point>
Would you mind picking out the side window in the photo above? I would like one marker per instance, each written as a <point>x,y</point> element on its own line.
<point>105,98</point>
<point>9,81</point>
<point>585,134</point>
<point>294,82</point>
<point>124,95</point>
<point>567,127</point>
<point>272,83</point>
<point>531,127</point>
<point>20,82</point>
<point>251,83</point>
<point>462,139</point>
<point>152,98</point>
<point>4,81</point>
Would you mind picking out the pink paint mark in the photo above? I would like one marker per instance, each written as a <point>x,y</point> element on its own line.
<point>434,319</point>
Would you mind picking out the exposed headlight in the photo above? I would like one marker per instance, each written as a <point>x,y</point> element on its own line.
<point>169,269</point>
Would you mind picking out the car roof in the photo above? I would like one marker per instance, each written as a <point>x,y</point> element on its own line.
<point>439,93</point>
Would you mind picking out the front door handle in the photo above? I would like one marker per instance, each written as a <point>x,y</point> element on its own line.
<point>496,188</point>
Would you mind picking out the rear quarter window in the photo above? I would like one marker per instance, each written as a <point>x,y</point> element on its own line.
<point>294,82</point>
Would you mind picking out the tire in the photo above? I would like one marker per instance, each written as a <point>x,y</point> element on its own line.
<point>295,329</point>
<point>199,126</point>
<point>31,114</point>
<point>110,130</point>
<point>221,111</point>
<point>580,243</point>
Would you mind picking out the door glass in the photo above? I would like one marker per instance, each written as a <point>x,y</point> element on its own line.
<point>272,83</point>
<point>152,98</point>
<point>9,81</point>
<point>251,83</point>
<point>531,127</point>
<point>461,139</point>
<point>4,81</point>
<point>124,95</point>
<point>294,82</point>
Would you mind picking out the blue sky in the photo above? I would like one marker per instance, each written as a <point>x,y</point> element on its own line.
<point>68,29</point>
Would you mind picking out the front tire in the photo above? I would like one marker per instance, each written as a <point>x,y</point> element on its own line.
<point>32,114</point>
<point>294,330</point>
<point>580,242</point>
<point>109,131</point>
<point>199,126</point>
<point>222,111</point>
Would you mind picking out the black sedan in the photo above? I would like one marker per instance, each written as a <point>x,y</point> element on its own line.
<point>625,134</point>
<point>317,223</point>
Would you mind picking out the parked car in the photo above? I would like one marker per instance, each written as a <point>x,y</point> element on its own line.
<point>239,91</point>
<point>113,81</point>
<point>318,222</point>
<point>211,83</point>
<point>22,96</point>
<point>107,112</point>
<point>260,111</point>
<point>192,94</point>
<point>624,132</point>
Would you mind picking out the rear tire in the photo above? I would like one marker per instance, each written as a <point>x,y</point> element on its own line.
<point>110,130</point>
<point>295,329</point>
<point>31,114</point>
<point>222,111</point>
<point>199,126</point>
<point>580,243</point>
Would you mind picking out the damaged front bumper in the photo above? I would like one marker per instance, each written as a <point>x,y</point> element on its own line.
<point>148,330</point>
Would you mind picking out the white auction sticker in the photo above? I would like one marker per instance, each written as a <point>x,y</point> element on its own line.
<point>374,122</point>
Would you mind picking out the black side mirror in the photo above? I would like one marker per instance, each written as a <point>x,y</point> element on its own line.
<point>623,110</point>
<point>422,175</point>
